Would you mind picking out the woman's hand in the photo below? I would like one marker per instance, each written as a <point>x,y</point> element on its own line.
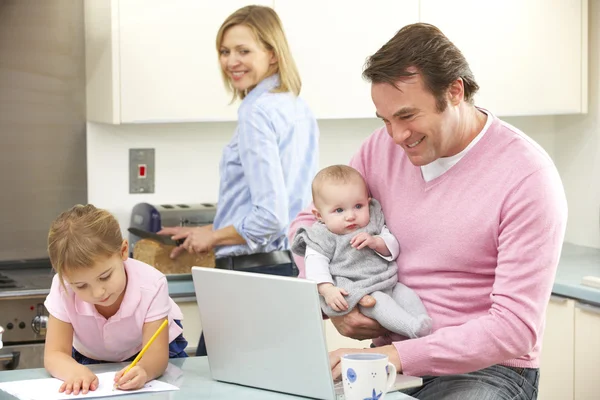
<point>357,326</point>
<point>197,239</point>
<point>81,380</point>
<point>134,379</point>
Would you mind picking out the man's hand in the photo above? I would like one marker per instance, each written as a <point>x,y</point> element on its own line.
<point>355,325</point>
<point>334,296</point>
<point>335,358</point>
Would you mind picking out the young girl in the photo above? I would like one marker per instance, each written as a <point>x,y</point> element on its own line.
<point>104,306</point>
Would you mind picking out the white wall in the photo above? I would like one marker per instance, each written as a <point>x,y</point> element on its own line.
<point>187,157</point>
<point>578,151</point>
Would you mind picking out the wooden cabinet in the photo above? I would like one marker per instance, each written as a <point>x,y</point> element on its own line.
<point>587,352</point>
<point>330,42</point>
<point>156,61</point>
<point>556,369</point>
<point>529,57</point>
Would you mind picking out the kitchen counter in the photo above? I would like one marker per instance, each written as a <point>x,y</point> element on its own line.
<point>191,375</point>
<point>575,263</point>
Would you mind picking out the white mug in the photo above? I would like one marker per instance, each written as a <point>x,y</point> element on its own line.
<point>367,376</point>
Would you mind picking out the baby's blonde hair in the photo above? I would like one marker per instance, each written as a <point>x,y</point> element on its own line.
<point>335,174</point>
<point>80,236</point>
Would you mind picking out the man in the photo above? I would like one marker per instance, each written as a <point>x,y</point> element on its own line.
<point>480,214</point>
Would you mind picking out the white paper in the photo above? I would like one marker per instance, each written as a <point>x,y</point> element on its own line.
<point>47,389</point>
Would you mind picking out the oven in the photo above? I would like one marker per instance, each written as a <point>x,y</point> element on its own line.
<point>24,286</point>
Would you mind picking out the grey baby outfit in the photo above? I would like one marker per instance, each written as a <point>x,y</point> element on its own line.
<point>362,272</point>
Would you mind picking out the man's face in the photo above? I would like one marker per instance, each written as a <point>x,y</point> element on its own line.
<point>413,121</point>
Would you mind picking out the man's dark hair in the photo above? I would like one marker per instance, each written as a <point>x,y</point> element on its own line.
<point>426,48</point>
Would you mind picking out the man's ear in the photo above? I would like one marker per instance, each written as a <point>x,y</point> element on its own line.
<point>316,213</point>
<point>456,91</point>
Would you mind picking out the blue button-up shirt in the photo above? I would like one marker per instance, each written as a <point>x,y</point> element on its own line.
<point>267,169</point>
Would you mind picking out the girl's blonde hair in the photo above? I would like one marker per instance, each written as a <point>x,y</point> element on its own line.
<point>268,30</point>
<point>80,236</point>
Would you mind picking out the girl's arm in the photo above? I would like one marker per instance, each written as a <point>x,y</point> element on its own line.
<point>152,364</point>
<point>156,358</point>
<point>59,362</point>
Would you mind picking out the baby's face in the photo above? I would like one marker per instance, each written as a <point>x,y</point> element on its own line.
<point>343,207</point>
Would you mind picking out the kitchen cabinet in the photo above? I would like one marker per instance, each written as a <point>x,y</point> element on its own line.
<point>156,61</point>
<point>528,57</point>
<point>191,322</point>
<point>336,341</point>
<point>330,42</point>
<point>587,351</point>
<point>556,368</point>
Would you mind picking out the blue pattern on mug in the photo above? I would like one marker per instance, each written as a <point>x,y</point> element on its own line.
<point>351,375</point>
<point>374,396</point>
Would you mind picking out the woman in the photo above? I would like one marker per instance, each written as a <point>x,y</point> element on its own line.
<point>267,167</point>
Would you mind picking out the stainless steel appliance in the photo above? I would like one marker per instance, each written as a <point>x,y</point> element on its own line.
<point>24,286</point>
<point>153,217</point>
<point>42,158</point>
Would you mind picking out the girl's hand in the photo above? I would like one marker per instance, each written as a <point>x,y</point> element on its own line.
<point>134,379</point>
<point>81,381</point>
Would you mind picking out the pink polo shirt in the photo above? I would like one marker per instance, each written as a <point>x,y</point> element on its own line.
<point>120,337</point>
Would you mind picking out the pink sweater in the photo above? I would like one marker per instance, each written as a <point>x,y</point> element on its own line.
<point>480,245</point>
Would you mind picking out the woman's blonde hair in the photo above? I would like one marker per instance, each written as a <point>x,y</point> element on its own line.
<point>268,31</point>
<point>80,236</point>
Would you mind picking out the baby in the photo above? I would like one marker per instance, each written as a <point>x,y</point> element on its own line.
<point>350,253</point>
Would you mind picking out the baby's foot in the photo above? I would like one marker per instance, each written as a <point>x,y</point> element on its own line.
<point>424,325</point>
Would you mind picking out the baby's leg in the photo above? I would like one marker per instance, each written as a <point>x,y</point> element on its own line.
<point>409,301</point>
<point>393,317</point>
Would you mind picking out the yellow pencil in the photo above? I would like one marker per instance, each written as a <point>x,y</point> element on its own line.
<point>141,353</point>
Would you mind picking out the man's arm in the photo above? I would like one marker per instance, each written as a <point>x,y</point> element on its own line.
<point>530,239</point>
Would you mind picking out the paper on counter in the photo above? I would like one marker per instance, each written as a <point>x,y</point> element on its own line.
<point>47,389</point>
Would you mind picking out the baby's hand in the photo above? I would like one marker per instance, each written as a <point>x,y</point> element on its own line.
<point>334,297</point>
<point>134,379</point>
<point>81,380</point>
<point>363,240</point>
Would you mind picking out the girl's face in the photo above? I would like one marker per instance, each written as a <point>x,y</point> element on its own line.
<point>104,283</point>
<point>243,59</point>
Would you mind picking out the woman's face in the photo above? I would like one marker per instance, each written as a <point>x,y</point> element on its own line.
<point>245,61</point>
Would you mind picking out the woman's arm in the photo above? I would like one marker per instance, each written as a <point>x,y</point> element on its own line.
<point>261,161</point>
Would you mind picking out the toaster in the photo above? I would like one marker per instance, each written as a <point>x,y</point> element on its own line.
<point>153,217</point>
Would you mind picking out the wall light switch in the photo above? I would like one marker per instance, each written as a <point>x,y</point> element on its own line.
<point>141,170</point>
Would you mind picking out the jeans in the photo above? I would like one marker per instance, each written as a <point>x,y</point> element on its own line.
<point>493,383</point>
<point>281,270</point>
<point>176,350</point>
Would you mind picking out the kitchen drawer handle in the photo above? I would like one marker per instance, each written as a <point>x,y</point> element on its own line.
<point>558,299</point>
<point>11,360</point>
<point>588,307</point>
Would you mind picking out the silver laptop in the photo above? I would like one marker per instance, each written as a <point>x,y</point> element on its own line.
<point>267,332</point>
